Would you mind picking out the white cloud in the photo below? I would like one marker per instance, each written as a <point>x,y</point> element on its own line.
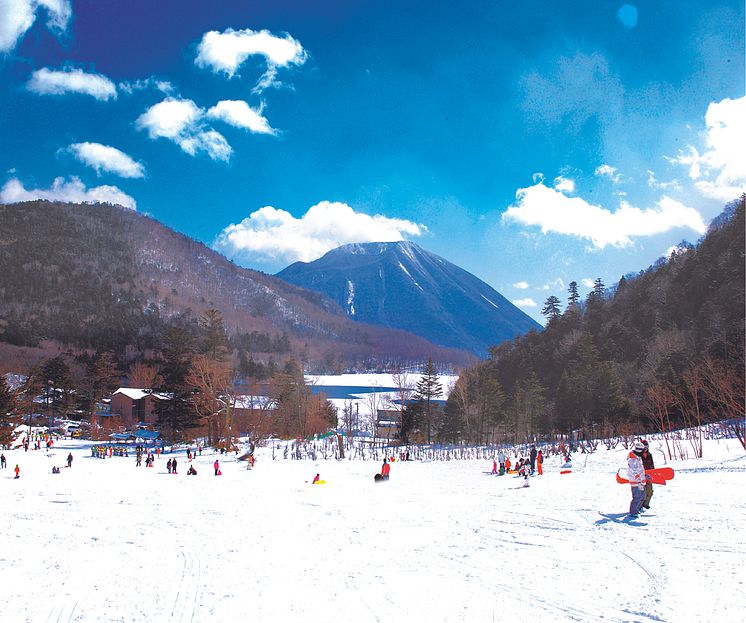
<point>226,51</point>
<point>70,80</point>
<point>180,121</point>
<point>17,16</point>
<point>555,212</point>
<point>212,142</point>
<point>131,86</point>
<point>72,191</point>
<point>608,171</point>
<point>240,115</point>
<point>275,235</point>
<point>564,184</point>
<point>558,283</point>
<point>654,183</point>
<point>588,283</point>
<point>720,171</point>
<point>106,158</point>
<point>521,285</point>
<point>527,302</point>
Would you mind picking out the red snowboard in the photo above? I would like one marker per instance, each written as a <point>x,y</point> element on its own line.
<point>658,476</point>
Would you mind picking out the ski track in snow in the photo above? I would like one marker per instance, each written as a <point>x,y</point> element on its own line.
<point>106,541</point>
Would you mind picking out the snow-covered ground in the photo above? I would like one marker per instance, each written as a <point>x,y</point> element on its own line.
<point>441,541</point>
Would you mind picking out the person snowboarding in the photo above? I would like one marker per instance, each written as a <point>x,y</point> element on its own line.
<point>17,470</point>
<point>70,459</point>
<point>539,462</point>
<point>647,463</point>
<point>636,477</point>
<point>216,466</point>
<point>385,469</point>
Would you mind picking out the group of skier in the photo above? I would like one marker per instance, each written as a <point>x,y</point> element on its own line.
<point>525,467</point>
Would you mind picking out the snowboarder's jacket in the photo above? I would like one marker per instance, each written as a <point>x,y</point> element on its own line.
<point>635,470</point>
<point>385,469</point>
<point>647,460</point>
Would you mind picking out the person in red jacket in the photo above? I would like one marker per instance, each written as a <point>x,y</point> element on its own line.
<point>539,462</point>
<point>17,470</point>
<point>385,469</point>
<point>216,466</point>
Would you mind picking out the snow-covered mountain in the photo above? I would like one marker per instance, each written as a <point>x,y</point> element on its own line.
<point>400,285</point>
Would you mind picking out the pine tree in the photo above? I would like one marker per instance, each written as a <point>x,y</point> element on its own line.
<point>214,339</point>
<point>176,414</point>
<point>8,417</point>
<point>101,377</point>
<point>58,386</point>
<point>428,388</point>
<point>573,297</point>
<point>551,309</point>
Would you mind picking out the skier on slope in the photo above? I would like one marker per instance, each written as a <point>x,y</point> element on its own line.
<point>636,477</point>
<point>647,463</point>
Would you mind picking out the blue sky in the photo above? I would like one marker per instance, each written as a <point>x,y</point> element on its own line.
<point>531,143</point>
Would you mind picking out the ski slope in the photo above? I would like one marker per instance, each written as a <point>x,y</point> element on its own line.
<point>441,541</point>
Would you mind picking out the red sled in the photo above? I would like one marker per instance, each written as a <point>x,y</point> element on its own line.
<point>658,476</point>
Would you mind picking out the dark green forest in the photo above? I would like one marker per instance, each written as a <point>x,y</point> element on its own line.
<point>661,349</point>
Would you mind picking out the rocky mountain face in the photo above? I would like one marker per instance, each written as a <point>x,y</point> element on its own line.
<point>400,285</point>
<point>104,277</point>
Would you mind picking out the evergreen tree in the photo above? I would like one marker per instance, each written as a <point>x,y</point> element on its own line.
<point>551,309</point>
<point>58,386</point>
<point>452,427</point>
<point>176,414</point>
<point>8,417</point>
<point>101,378</point>
<point>428,388</point>
<point>177,347</point>
<point>530,407</point>
<point>573,297</point>
<point>214,339</point>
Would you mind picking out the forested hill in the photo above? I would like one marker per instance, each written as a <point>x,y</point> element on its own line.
<point>104,277</point>
<point>662,348</point>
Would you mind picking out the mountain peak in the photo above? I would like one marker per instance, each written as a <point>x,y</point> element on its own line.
<point>401,285</point>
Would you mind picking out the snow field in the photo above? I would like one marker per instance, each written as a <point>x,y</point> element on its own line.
<point>441,541</point>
